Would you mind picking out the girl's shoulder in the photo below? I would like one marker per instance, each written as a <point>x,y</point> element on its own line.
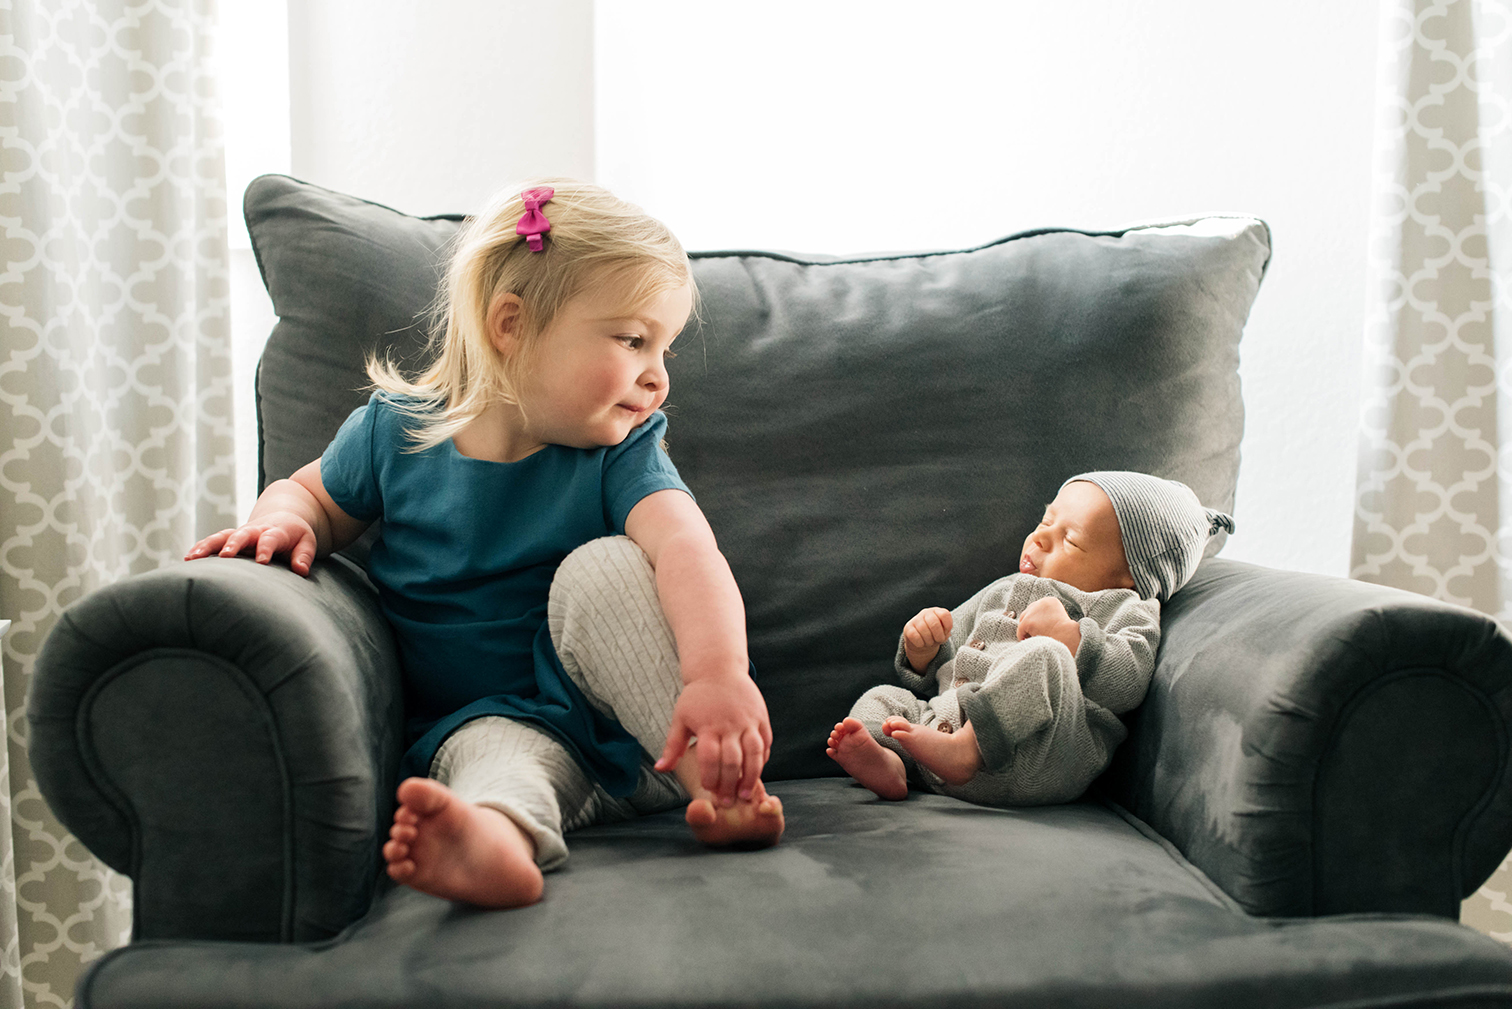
<point>644,450</point>
<point>389,424</point>
<point>391,409</point>
<point>650,432</point>
<point>399,402</point>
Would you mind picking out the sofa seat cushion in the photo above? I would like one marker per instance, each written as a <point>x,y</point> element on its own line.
<point>926,902</point>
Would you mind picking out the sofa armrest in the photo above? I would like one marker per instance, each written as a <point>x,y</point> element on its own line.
<point>227,734</point>
<point>1318,745</point>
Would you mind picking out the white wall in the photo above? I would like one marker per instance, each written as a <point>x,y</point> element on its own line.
<point>430,107</point>
<point>252,54</point>
<point>859,126</point>
<point>424,107</point>
<point>835,127</point>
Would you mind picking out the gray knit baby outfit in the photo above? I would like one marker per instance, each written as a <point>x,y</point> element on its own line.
<point>1047,722</point>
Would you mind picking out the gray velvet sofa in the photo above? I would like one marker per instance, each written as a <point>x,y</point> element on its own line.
<point>1318,776</point>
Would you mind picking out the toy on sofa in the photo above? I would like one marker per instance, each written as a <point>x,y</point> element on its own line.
<point>1013,699</point>
<point>536,436</point>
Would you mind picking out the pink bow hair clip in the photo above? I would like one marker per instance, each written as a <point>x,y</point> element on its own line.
<point>534,224</point>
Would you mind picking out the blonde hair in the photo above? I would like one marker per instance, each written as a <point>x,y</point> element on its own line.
<point>595,239</point>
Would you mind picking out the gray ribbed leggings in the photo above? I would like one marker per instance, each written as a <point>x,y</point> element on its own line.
<point>615,643</point>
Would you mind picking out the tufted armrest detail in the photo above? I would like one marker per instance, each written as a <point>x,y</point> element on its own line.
<point>227,734</point>
<point>1318,745</point>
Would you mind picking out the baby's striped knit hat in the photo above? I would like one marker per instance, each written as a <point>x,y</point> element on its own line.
<point>1165,528</point>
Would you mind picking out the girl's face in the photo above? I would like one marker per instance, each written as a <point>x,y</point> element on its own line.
<point>1078,542</point>
<point>599,370</point>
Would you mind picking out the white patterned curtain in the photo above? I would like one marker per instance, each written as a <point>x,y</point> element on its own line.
<point>1434,504</point>
<point>115,395</point>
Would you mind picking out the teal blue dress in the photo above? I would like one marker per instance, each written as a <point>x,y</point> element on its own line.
<point>464,561</point>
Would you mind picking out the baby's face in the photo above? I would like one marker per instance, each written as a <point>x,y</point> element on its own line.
<point>1078,542</point>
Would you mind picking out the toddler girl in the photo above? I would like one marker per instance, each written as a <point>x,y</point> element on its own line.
<point>1013,699</point>
<point>559,603</point>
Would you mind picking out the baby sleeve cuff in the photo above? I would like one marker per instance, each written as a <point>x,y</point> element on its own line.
<point>921,682</point>
<point>992,738</point>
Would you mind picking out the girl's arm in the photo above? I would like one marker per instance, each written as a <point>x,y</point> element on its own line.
<point>720,704</point>
<point>294,516</point>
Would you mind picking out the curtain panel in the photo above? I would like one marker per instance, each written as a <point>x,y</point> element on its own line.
<point>115,386</point>
<point>1433,494</point>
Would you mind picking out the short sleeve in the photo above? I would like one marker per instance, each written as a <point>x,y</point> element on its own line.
<point>637,467</point>
<point>346,466</point>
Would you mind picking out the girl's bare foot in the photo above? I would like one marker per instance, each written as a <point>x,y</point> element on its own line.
<point>867,760</point>
<point>952,755</point>
<point>751,823</point>
<point>444,846</point>
<point>756,822</point>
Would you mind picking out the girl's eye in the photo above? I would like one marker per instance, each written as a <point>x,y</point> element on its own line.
<point>668,354</point>
<point>632,341</point>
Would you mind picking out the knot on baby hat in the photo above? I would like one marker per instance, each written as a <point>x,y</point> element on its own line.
<point>1165,528</point>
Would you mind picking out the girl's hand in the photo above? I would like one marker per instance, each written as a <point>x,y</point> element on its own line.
<point>728,716</point>
<point>923,636</point>
<point>1048,618</point>
<point>266,536</point>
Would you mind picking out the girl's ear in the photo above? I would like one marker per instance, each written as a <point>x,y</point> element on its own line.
<point>504,321</point>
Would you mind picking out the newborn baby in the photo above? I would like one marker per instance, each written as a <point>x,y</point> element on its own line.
<point>1013,698</point>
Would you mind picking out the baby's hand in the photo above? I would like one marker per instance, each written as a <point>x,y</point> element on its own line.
<point>265,536</point>
<point>1048,618</point>
<point>923,636</point>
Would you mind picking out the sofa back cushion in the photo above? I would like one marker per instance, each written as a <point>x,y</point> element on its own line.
<point>866,435</point>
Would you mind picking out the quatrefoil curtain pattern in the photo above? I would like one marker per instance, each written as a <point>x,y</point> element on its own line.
<point>115,387</point>
<point>1433,511</point>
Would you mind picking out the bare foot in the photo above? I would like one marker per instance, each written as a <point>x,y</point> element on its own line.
<point>867,760</point>
<point>751,823</point>
<point>449,848</point>
<point>952,755</point>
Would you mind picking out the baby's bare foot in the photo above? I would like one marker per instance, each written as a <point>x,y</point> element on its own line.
<point>444,846</point>
<point>751,823</point>
<point>951,755</point>
<point>867,760</point>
